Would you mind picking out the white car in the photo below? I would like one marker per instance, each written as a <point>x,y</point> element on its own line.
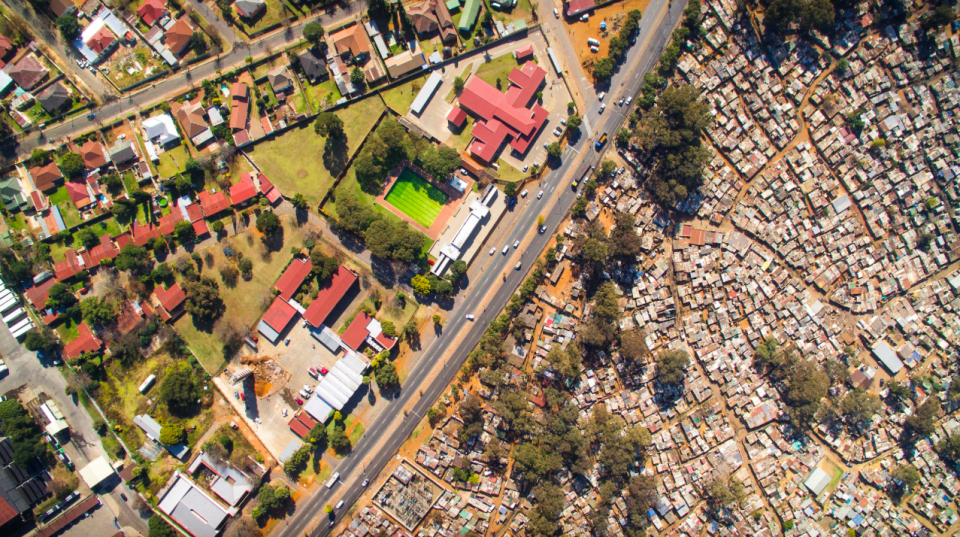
<point>307,388</point>
<point>517,266</point>
<point>629,99</point>
<point>469,316</point>
<point>602,95</point>
<point>556,13</point>
<point>602,108</point>
<point>523,194</point>
<point>563,122</point>
<point>540,194</point>
<point>516,244</point>
<point>493,251</point>
<point>506,249</point>
<point>557,131</point>
<point>365,483</point>
<point>525,168</point>
<point>620,102</point>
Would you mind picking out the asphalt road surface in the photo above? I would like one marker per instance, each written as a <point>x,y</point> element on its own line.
<point>494,286</point>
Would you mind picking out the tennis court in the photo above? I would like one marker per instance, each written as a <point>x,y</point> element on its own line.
<point>416,198</point>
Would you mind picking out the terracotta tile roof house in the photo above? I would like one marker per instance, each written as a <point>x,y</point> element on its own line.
<point>62,7</point>
<point>92,154</point>
<point>267,189</point>
<point>404,62</point>
<point>123,240</point>
<point>131,317</point>
<point>178,36</point>
<point>330,294</point>
<point>249,9</point>
<point>280,79</point>
<point>244,191</point>
<point>239,105</point>
<point>38,200</point>
<point>143,234</point>
<point>168,222</point>
<point>101,40</point>
<point>85,342</point>
<point>79,194</point>
<point>105,250</point>
<point>27,72</point>
<point>151,11</point>
<point>505,115</point>
<point>54,97</point>
<point>191,119</point>
<point>46,177</point>
<point>292,278</point>
<point>353,40</point>
<point>314,65</point>
<point>194,212</point>
<point>67,268</point>
<point>38,294</point>
<point>432,17</point>
<point>362,329</point>
<point>576,7</point>
<point>169,301</point>
<point>6,46</point>
<point>213,203</point>
<point>200,228</point>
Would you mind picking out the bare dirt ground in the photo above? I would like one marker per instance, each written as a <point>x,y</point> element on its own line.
<point>612,14</point>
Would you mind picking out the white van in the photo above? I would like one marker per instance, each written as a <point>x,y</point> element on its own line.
<point>556,13</point>
<point>339,504</point>
<point>506,249</point>
<point>469,316</point>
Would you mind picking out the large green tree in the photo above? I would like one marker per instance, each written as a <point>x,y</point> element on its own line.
<point>203,299</point>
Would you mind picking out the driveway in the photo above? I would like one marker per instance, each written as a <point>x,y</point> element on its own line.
<point>26,369</point>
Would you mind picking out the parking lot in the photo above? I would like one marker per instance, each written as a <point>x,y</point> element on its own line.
<point>296,357</point>
<point>98,522</point>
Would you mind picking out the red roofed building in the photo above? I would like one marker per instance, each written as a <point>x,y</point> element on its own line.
<point>38,200</point>
<point>330,294</point>
<point>523,54</point>
<point>298,428</point>
<point>101,40</point>
<point>105,250</point>
<point>457,116</point>
<point>85,342</point>
<point>168,222</point>
<point>46,177</point>
<point>213,203</point>
<point>365,328</point>
<point>267,189</point>
<point>143,234</point>
<point>7,513</point>
<point>306,420</point>
<point>92,153</point>
<point>123,240</point>
<point>78,194</point>
<point>6,47</point>
<point>38,294</point>
<point>244,191</point>
<point>67,268</point>
<point>151,11</point>
<point>293,277</point>
<point>576,7</point>
<point>276,319</point>
<point>505,115</point>
<point>169,302</point>
<point>131,317</point>
<point>239,105</point>
<point>177,38</point>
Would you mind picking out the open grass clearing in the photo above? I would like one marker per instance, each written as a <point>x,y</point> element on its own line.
<point>509,173</point>
<point>497,68</point>
<point>272,15</point>
<point>416,198</point>
<point>399,98</point>
<point>299,162</point>
<point>390,311</point>
<point>172,161</point>
<point>459,139</point>
<point>245,302</point>
<point>69,212</point>
<point>318,94</point>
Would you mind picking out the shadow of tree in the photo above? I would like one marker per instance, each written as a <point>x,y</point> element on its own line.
<point>335,154</point>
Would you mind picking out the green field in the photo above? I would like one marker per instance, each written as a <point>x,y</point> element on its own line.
<point>416,198</point>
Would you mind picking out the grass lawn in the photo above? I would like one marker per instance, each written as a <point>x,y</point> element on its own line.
<point>67,330</point>
<point>523,10</point>
<point>460,140</point>
<point>69,212</point>
<point>298,161</point>
<point>273,15</point>
<point>17,221</point>
<point>172,161</point>
<point>416,198</point>
<point>245,302</point>
<point>322,92</point>
<point>401,97</point>
<point>398,316</point>
<point>355,430</point>
<point>499,67</point>
<point>130,182</point>
<point>58,250</point>
<point>509,173</point>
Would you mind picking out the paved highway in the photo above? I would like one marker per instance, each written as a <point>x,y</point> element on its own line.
<point>493,287</point>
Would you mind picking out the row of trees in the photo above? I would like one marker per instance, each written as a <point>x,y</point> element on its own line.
<point>385,238</point>
<point>390,144</point>
<point>603,68</point>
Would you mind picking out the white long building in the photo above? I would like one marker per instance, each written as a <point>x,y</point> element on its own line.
<point>451,251</point>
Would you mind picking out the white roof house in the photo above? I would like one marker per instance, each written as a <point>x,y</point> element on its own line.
<point>96,472</point>
<point>817,481</point>
<point>160,129</point>
<point>192,508</point>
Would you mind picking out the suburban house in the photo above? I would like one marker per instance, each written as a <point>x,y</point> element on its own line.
<point>122,151</point>
<point>92,154</point>
<point>6,47</point>
<point>62,7</point>
<point>11,195</point>
<point>101,41</point>
<point>239,105</point>
<point>314,65</point>
<point>373,71</point>
<point>169,302</point>
<point>160,130</point>
<point>280,81</point>
<point>189,506</point>
<point>27,72</point>
<point>431,18</point>
<point>213,203</point>
<point>248,9</point>
<point>85,342</point>
<point>92,257</point>
<point>177,38</point>
<point>191,119</point>
<point>45,177</point>
<point>230,484</point>
<point>53,98</point>
<point>151,11</point>
<point>505,115</point>
<point>404,62</point>
<point>243,192</point>
<point>352,41</point>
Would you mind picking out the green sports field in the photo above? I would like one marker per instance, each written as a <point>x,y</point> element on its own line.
<point>416,198</point>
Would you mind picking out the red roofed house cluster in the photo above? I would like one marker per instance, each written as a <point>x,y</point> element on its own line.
<point>293,277</point>
<point>365,328</point>
<point>330,294</point>
<point>503,115</point>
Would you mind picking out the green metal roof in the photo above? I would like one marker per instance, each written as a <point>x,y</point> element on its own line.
<point>469,16</point>
<point>453,6</point>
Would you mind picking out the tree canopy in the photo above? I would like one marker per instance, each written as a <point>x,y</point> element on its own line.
<point>203,299</point>
<point>328,125</point>
<point>671,366</point>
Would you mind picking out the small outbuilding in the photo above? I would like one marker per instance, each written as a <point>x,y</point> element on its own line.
<point>98,471</point>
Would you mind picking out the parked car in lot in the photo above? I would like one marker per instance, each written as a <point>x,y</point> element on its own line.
<point>324,370</point>
<point>307,388</point>
<point>557,131</point>
<point>236,394</point>
<point>299,401</point>
<point>304,394</point>
<point>523,194</point>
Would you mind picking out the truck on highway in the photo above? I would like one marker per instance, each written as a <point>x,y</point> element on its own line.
<point>576,182</point>
<point>601,141</point>
<point>333,480</point>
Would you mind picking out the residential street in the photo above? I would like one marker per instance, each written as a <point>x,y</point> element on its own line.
<point>225,30</point>
<point>441,359</point>
<point>26,369</point>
